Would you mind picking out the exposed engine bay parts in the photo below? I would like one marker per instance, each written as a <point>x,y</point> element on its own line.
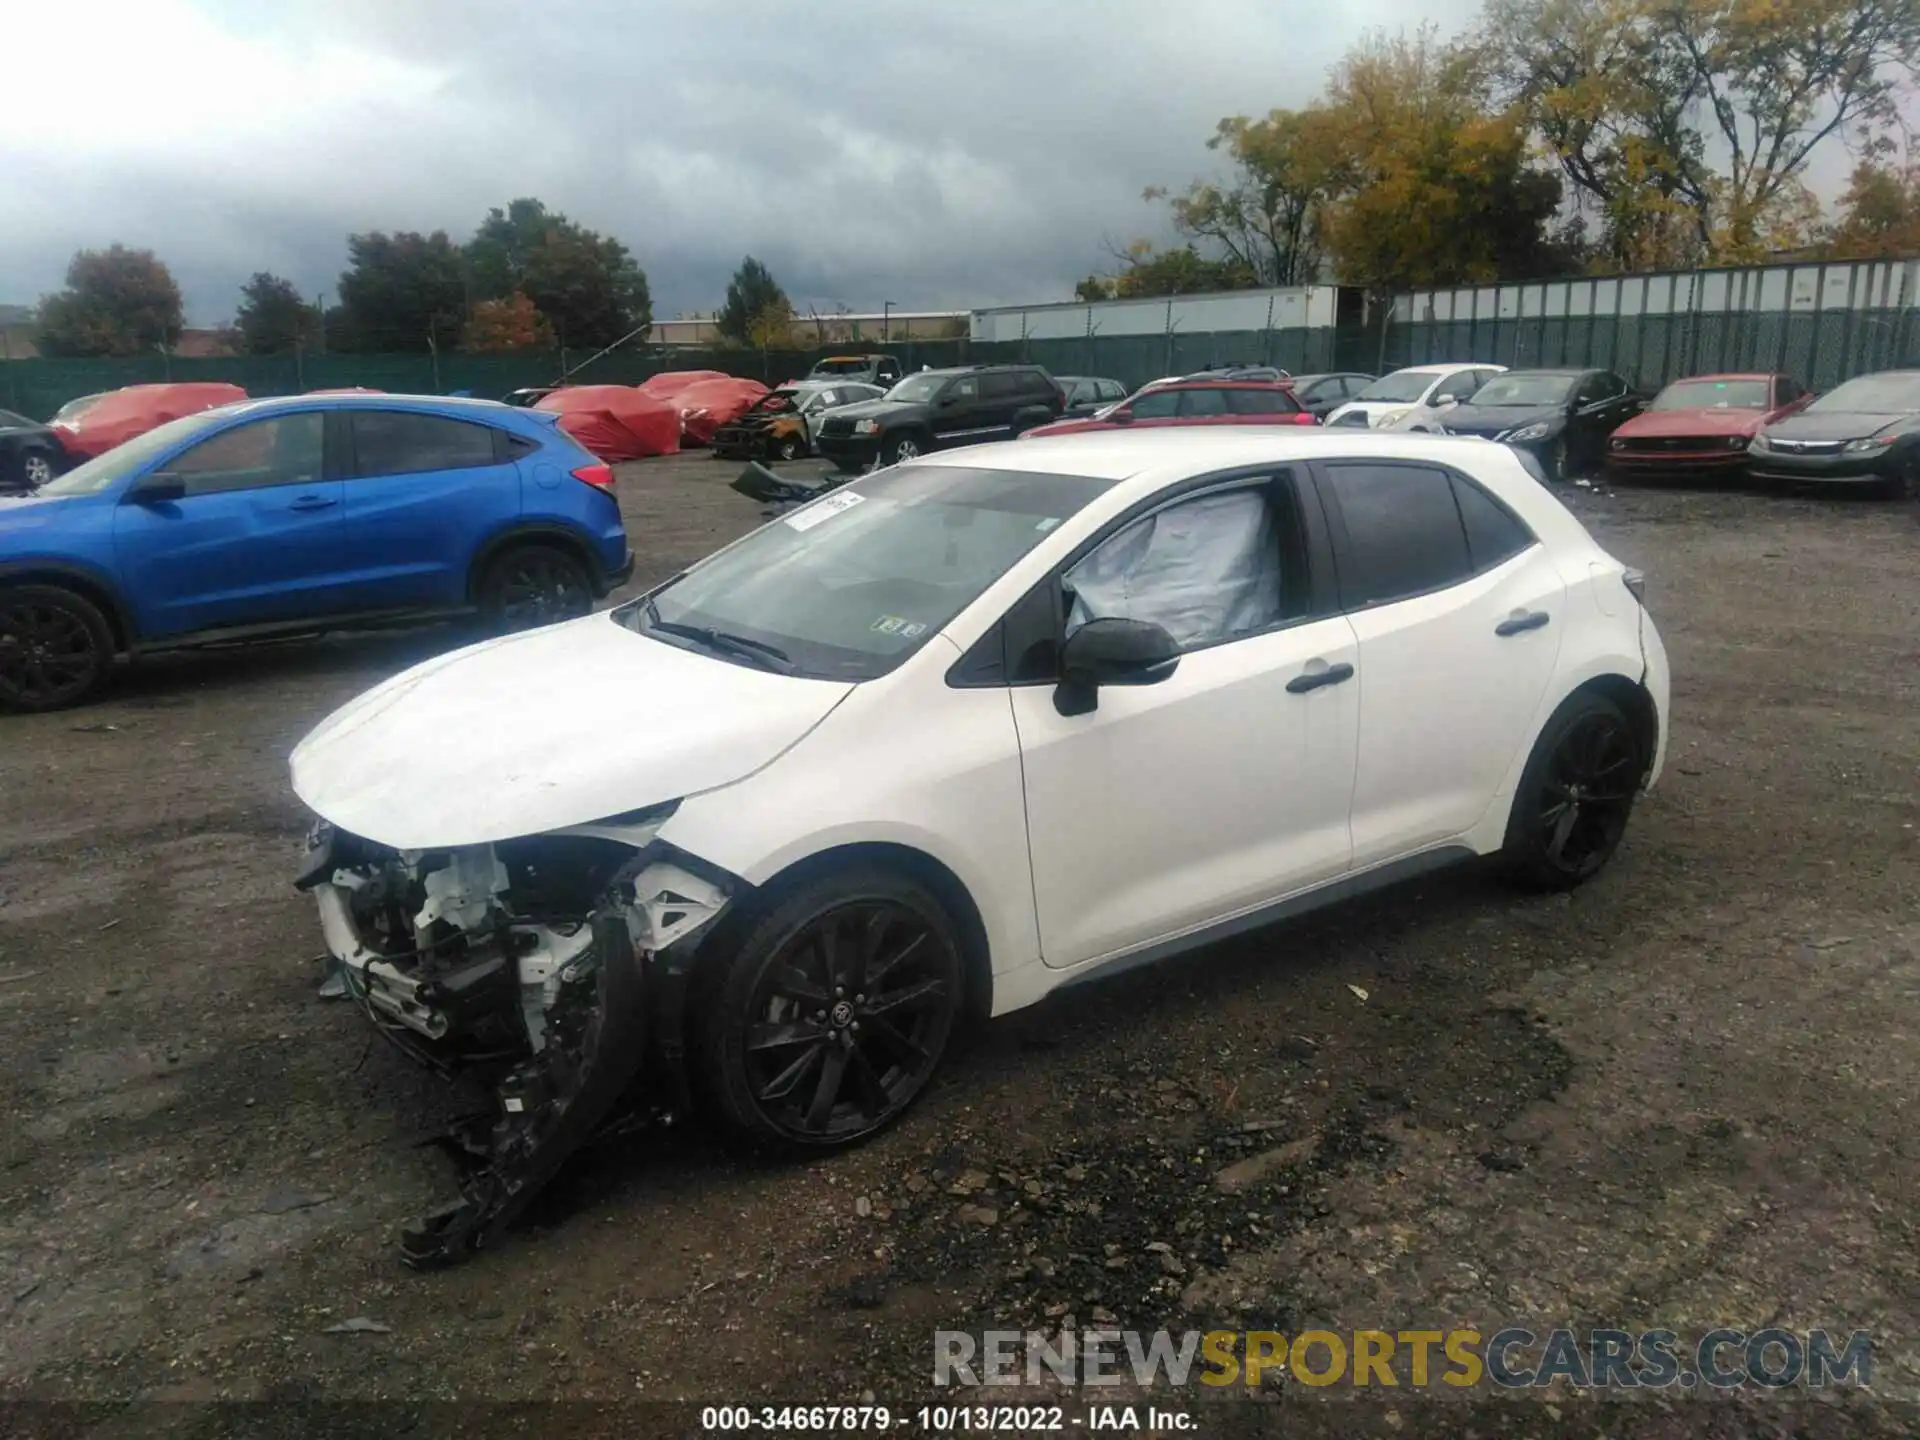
<point>546,967</point>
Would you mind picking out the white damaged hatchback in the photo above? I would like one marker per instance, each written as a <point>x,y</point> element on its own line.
<point>949,738</point>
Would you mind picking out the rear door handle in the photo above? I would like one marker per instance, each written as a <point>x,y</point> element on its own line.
<point>1313,679</point>
<point>312,502</point>
<point>1520,624</point>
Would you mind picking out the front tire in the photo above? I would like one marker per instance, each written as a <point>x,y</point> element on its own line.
<point>37,467</point>
<point>787,447</point>
<point>532,585</point>
<point>1575,795</point>
<point>828,1018</point>
<point>900,449</point>
<point>56,648</point>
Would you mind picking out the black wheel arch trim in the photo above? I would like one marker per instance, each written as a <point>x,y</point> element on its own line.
<point>88,583</point>
<point>540,533</point>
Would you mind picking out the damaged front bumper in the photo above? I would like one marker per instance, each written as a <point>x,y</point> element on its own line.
<point>553,968</point>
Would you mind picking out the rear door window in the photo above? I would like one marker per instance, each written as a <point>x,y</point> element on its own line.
<point>1203,401</point>
<point>1399,531</point>
<point>393,442</point>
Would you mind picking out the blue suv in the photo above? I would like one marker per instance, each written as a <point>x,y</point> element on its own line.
<point>299,515</point>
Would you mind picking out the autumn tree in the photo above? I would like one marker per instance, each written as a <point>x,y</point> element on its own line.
<point>117,302</point>
<point>1428,182</point>
<point>273,318</point>
<point>751,291</point>
<point>502,327</point>
<point>772,326</point>
<point>400,292</point>
<point>588,286</point>
<point>1878,216</point>
<point>1688,125</point>
<point>1263,217</point>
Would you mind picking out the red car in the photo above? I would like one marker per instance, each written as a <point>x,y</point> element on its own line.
<point>1195,401</point>
<point>1701,426</point>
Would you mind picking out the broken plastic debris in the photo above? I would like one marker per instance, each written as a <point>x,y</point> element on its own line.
<point>1362,994</point>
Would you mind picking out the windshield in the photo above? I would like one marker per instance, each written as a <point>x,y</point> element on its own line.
<point>918,388</point>
<point>1525,390</point>
<point>1403,387</point>
<point>1889,394</point>
<point>106,468</point>
<point>74,409</point>
<point>1713,395</point>
<point>847,587</point>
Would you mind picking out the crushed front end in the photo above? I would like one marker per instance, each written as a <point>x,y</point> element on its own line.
<point>552,968</point>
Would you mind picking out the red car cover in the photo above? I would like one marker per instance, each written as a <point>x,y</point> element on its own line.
<point>670,383</point>
<point>615,422</point>
<point>706,406</point>
<point>119,415</point>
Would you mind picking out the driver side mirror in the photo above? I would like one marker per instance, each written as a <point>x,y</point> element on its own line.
<point>1112,651</point>
<point>156,488</point>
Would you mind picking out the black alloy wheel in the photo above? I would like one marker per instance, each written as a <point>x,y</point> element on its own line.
<point>1576,795</point>
<point>55,648</point>
<point>834,1013</point>
<point>534,585</point>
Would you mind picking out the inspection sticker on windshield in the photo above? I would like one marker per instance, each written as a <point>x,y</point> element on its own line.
<point>824,509</point>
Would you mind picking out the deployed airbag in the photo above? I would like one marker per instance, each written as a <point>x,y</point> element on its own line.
<point>1205,569</point>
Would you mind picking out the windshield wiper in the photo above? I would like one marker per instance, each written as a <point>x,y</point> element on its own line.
<point>741,647</point>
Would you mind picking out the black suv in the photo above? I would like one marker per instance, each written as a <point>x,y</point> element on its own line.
<point>937,409</point>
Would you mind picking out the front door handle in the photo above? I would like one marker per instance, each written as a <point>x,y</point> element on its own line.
<point>312,502</point>
<point>1313,679</point>
<point>1520,624</point>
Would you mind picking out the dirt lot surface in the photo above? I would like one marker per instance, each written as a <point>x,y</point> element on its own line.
<point>1683,1097</point>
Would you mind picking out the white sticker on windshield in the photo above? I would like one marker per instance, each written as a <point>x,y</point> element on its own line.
<point>824,508</point>
<point>1047,524</point>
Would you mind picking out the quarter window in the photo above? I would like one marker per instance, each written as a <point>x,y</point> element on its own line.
<point>1261,402</point>
<point>390,442</point>
<point>1493,532</point>
<point>286,450</point>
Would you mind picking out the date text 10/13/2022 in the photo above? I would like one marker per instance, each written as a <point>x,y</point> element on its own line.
<point>947,1419</point>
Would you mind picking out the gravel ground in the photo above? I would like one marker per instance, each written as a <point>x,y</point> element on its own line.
<point>1682,1097</point>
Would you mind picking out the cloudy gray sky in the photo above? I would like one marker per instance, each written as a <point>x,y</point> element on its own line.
<point>944,153</point>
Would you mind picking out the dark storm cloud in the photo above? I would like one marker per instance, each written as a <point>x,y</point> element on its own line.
<point>934,156</point>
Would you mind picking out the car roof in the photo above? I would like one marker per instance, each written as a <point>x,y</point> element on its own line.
<point>1178,452</point>
<point>1557,370</point>
<point>1222,382</point>
<point>1729,375</point>
<point>1446,369</point>
<point>382,401</point>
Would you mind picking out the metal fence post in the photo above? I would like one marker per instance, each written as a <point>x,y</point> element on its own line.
<point>1846,325</point>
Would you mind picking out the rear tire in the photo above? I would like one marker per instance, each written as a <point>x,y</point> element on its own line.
<point>826,1020</point>
<point>1575,796</point>
<point>531,585</point>
<point>56,648</point>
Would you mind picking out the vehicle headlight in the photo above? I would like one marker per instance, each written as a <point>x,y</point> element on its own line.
<point>1737,442</point>
<point>866,427</point>
<point>1872,442</point>
<point>1759,442</point>
<point>1392,418</point>
<point>1536,431</point>
<point>1616,443</point>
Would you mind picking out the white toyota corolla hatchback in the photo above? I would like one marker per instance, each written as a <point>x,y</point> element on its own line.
<point>955,735</point>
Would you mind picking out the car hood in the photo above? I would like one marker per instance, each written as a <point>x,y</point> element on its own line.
<point>31,512</point>
<point>1709,420</point>
<point>552,727</point>
<point>1494,419</point>
<point>1837,425</point>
